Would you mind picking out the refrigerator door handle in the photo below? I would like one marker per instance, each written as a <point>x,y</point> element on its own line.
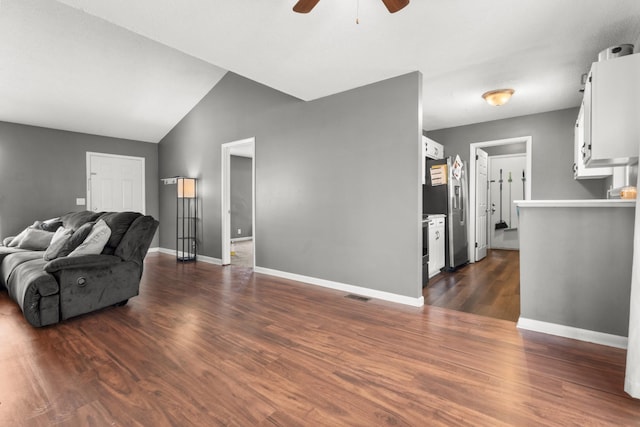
<point>463,201</point>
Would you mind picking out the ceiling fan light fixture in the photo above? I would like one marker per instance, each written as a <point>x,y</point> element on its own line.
<point>498,97</point>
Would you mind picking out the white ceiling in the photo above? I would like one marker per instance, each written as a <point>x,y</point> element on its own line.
<point>65,68</point>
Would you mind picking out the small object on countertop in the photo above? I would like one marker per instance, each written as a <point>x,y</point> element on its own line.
<point>628,193</point>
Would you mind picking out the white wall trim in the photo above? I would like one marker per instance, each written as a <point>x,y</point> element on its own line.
<point>165,251</point>
<point>208,259</point>
<point>203,258</point>
<point>151,250</point>
<point>572,332</point>
<point>386,296</point>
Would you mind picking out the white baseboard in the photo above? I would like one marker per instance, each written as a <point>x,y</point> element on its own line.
<point>572,332</point>
<point>241,239</point>
<point>372,293</point>
<point>207,259</point>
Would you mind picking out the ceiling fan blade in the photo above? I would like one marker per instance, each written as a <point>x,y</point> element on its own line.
<point>394,5</point>
<point>305,6</point>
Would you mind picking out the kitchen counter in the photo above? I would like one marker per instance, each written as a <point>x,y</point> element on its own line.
<point>592,203</point>
<point>575,267</point>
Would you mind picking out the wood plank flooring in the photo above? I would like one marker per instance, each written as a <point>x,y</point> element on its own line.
<point>205,345</point>
<point>490,287</point>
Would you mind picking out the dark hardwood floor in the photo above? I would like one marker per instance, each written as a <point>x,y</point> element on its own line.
<point>205,345</point>
<point>490,287</point>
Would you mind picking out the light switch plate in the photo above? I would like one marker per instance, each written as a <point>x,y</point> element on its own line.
<point>80,201</point>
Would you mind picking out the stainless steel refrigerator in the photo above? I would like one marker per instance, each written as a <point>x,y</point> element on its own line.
<point>445,192</point>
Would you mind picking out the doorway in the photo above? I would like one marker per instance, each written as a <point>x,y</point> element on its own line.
<point>115,183</point>
<point>477,224</point>
<point>238,203</point>
<point>507,178</point>
<point>491,287</point>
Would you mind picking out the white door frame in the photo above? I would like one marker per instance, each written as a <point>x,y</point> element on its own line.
<point>471,230</point>
<point>225,192</point>
<point>115,156</point>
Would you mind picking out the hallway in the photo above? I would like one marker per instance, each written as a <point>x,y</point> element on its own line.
<point>490,287</point>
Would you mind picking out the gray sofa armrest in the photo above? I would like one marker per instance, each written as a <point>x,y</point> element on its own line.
<point>86,261</point>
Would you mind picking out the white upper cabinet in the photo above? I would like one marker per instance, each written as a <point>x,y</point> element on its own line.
<point>580,171</point>
<point>612,112</point>
<point>432,149</point>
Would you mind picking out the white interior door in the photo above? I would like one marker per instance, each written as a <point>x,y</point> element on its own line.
<point>115,183</point>
<point>482,188</point>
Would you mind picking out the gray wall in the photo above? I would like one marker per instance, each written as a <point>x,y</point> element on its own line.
<point>240,195</point>
<point>338,186</point>
<point>575,266</point>
<point>43,171</point>
<point>552,151</point>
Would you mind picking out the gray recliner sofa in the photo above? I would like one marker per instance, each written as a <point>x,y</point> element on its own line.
<point>49,291</point>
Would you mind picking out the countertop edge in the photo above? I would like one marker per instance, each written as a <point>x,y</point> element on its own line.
<point>593,203</point>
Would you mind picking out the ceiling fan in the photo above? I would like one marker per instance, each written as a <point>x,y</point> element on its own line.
<point>305,6</point>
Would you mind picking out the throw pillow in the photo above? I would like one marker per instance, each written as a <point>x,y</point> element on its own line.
<point>119,223</point>
<point>58,241</point>
<point>51,224</point>
<point>16,240</point>
<point>95,241</point>
<point>35,240</point>
<point>75,220</point>
<point>7,240</point>
<point>76,239</point>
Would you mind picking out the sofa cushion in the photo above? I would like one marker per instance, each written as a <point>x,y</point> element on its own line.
<point>5,251</point>
<point>12,260</point>
<point>58,241</point>
<point>76,239</point>
<point>36,240</point>
<point>48,225</point>
<point>119,223</point>
<point>75,220</point>
<point>95,241</point>
<point>17,239</point>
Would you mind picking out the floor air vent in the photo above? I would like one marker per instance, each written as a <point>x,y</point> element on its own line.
<point>357,297</point>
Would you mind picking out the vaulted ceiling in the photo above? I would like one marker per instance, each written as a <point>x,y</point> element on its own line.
<point>133,69</point>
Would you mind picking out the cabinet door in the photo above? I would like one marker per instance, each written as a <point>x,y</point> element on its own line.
<point>436,247</point>
<point>580,171</point>
<point>433,149</point>
<point>439,245</point>
<point>614,128</point>
<point>585,131</point>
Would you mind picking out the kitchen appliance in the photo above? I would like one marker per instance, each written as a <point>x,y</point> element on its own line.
<point>445,192</point>
<point>615,52</point>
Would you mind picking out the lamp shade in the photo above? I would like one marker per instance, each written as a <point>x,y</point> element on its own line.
<point>498,97</point>
<point>186,187</point>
